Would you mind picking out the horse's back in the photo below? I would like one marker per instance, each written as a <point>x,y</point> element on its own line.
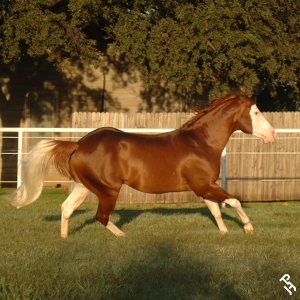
<point>110,137</point>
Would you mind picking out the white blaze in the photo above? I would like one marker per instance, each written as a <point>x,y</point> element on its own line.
<point>260,127</point>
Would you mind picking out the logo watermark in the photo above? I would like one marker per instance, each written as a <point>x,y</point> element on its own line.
<point>286,279</point>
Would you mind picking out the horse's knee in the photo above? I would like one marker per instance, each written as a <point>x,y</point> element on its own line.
<point>233,203</point>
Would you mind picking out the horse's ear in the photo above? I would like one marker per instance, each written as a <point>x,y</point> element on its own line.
<point>250,95</point>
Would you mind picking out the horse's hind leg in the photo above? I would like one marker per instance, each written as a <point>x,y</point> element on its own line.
<point>107,203</point>
<point>215,211</point>
<point>77,196</point>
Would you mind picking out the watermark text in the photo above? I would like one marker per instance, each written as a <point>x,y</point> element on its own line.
<point>286,279</point>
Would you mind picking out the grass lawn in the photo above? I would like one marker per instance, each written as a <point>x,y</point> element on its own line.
<point>172,251</point>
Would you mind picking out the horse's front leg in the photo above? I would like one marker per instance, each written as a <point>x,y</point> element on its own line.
<point>248,228</point>
<point>215,211</point>
<point>214,192</point>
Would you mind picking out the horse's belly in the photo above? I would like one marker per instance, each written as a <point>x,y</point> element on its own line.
<point>159,186</point>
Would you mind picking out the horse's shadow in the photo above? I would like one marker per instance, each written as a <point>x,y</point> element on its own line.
<point>125,216</point>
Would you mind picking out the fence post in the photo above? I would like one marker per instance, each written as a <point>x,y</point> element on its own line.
<point>223,174</point>
<point>20,147</point>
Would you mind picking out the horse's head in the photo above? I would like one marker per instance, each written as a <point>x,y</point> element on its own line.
<point>252,121</point>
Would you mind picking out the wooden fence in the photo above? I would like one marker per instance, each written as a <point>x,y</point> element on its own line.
<point>254,171</point>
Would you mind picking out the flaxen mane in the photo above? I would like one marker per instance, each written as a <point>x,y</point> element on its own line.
<point>205,107</point>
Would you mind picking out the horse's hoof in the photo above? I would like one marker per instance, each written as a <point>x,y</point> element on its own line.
<point>248,231</point>
<point>120,234</point>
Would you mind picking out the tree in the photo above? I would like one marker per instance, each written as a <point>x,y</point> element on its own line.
<point>46,28</point>
<point>198,46</point>
<point>214,45</point>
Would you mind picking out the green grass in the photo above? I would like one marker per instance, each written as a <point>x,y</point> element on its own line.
<point>170,252</point>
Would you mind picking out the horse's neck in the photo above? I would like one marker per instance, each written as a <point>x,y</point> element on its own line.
<point>217,128</point>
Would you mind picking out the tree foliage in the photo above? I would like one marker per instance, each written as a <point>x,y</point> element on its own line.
<point>193,46</point>
<point>46,28</point>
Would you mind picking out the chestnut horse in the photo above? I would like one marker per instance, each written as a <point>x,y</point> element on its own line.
<point>182,160</point>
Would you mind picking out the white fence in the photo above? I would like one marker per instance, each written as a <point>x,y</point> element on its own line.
<point>22,131</point>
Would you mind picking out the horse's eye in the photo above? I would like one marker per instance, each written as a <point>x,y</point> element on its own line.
<point>256,112</point>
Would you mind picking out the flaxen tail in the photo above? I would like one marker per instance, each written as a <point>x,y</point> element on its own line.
<point>34,168</point>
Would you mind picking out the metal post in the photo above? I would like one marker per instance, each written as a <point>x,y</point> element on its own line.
<point>223,174</point>
<point>20,147</point>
